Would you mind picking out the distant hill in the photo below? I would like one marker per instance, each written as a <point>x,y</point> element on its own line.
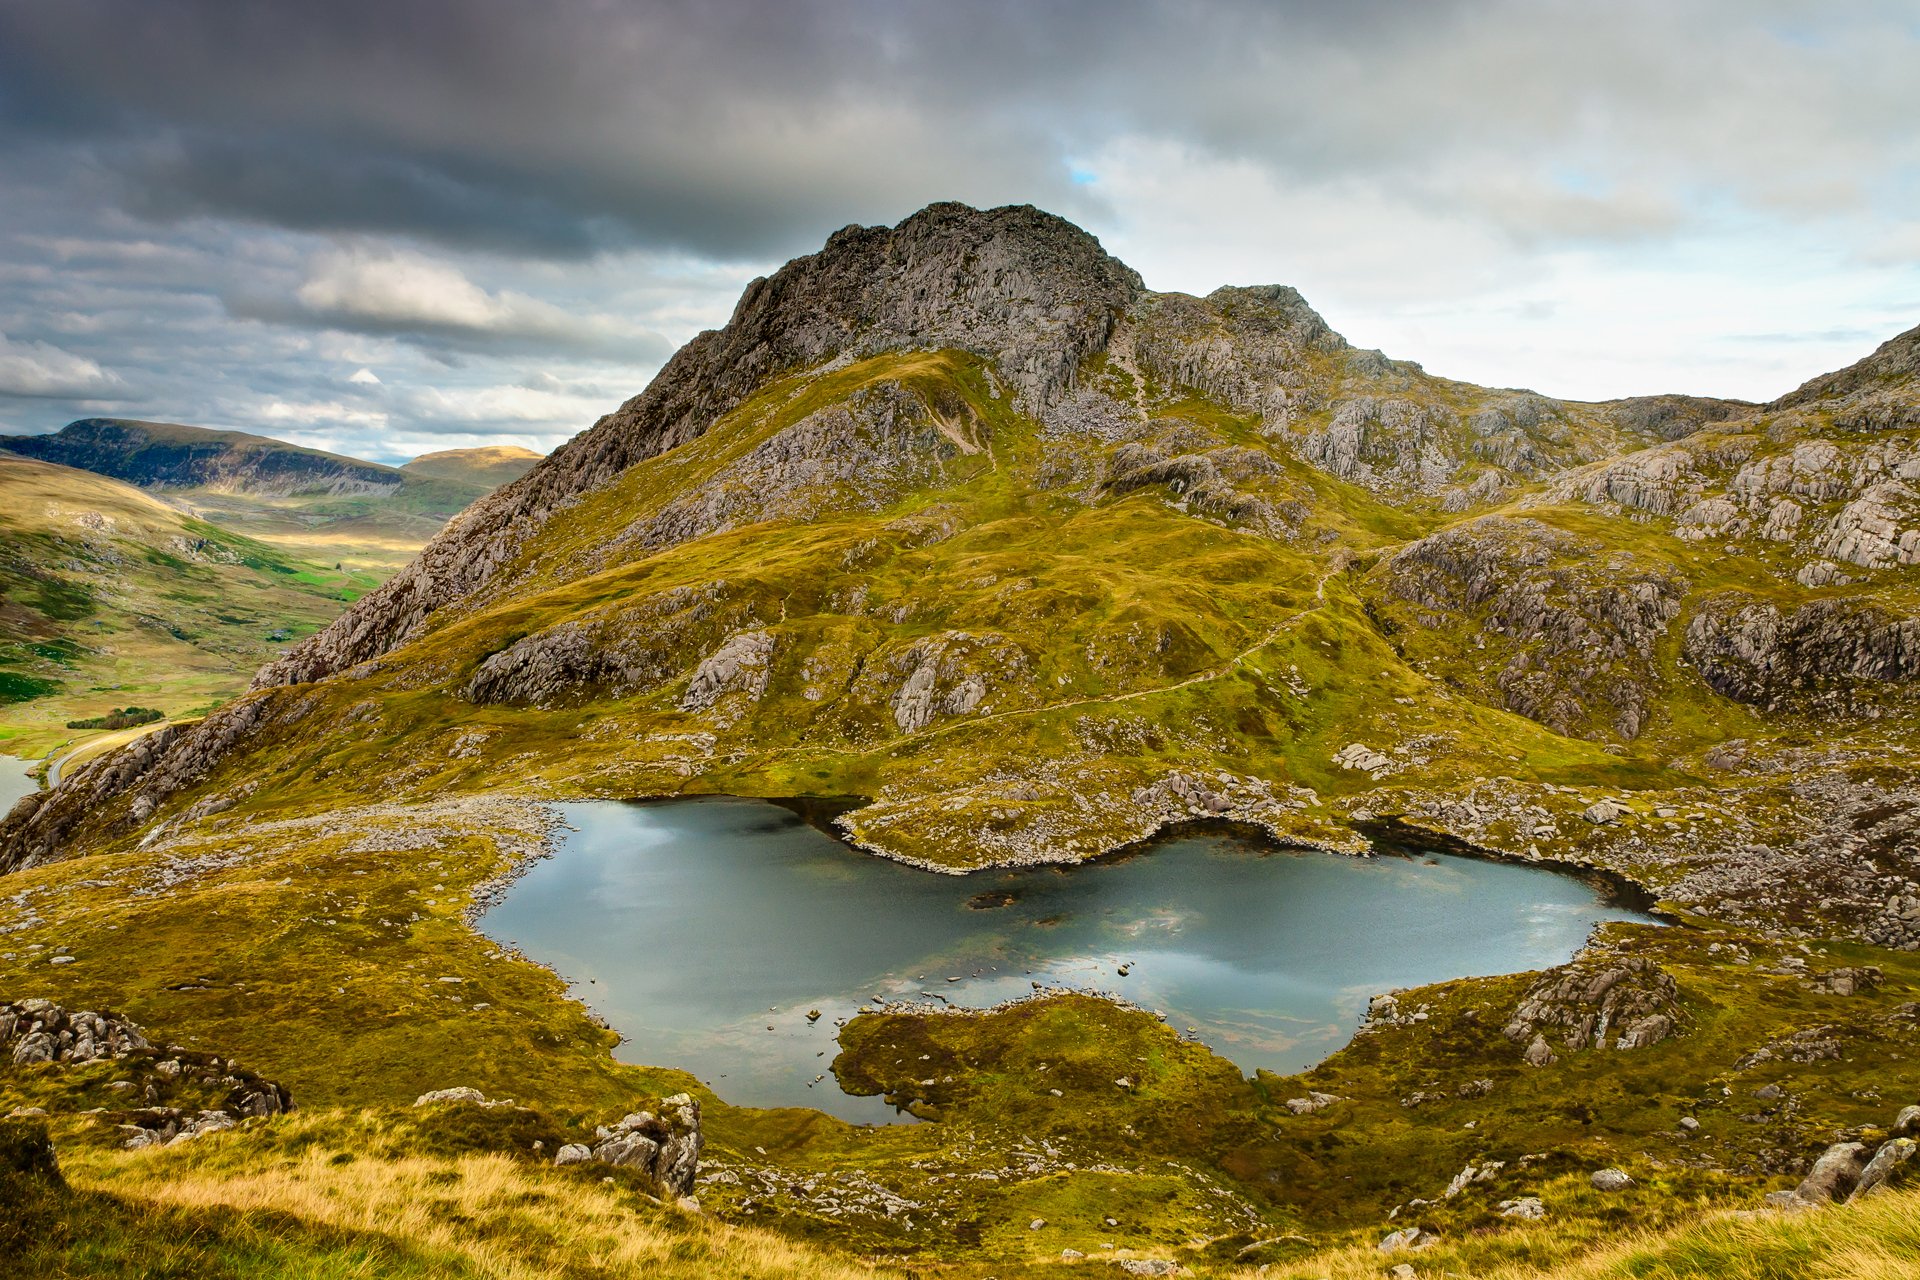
<point>317,505</point>
<point>111,597</point>
<point>174,456</point>
<point>490,466</point>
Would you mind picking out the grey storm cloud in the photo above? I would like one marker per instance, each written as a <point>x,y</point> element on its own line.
<point>748,129</point>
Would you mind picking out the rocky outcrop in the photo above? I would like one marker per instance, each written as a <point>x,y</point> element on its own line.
<point>665,1148</point>
<point>1240,486</point>
<point>1747,649</point>
<point>738,666</point>
<point>35,1033</point>
<point>616,652</point>
<point>883,443</point>
<point>144,774</point>
<point>1576,631</point>
<point>1626,999</point>
<point>1850,1171</point>
<point>952,674</point>
<point>1874,394</point>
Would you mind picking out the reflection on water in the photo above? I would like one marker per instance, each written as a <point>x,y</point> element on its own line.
<point>705,930</point>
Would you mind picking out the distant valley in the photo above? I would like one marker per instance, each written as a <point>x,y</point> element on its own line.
<point>154,563</point>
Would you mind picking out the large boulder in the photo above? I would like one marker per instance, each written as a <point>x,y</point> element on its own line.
<point>1835,1174</point>
<point>664,1147</point>
<point>1892,1165</point>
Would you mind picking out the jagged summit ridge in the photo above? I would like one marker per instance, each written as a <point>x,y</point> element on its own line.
<point>1028,290</point>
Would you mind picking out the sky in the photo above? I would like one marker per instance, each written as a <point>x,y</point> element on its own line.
<point>395,226</point>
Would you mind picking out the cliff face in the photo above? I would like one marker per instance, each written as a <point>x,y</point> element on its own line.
<point>957,516</point>
<point>165,455</point>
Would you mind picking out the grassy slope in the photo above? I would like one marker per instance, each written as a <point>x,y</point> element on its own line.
<point>1263,660</point>
<point>109,597</point>
<point>1149,640</point>
<point>369,534</point>
<point>488,467</point>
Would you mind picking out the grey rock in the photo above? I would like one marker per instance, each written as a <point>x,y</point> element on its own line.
<point>1610,1180</point>
<point>460,1093</point>
<point>1746,649</point>
<point>665,1147</point>
<point>1907,1123</point>
<point>1405,1238</point>
<point>573,1153</point>
<point>1528,1207</point>
<point>1834,1174</point>
<point>1890,1166</point>
<point>1583,1003</point>
<point>738,666</point>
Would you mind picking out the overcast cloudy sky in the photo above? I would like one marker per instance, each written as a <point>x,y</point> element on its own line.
<point>391,226</point>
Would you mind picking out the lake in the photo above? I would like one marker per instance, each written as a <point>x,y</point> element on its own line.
<point>704,931</point>
<point>14,781</point>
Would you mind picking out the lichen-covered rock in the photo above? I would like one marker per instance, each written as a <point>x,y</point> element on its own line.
<point>34,1031</point>
<point>1629,999</point>
<point>738,666</point>
<point>664,1147</point>
<point>1835,1174</point>
<point>1570,632</point>
<point>1748,650</point>
<point>1891,1166</point>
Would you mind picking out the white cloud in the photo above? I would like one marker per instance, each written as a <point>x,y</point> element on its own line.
<point>543,403</point>
<point>391,291</point>
<point>39,369</point>
<point>365,377</point>
<point>317,413</point>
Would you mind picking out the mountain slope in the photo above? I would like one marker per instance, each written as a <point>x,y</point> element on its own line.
<point>109,597</point>
<point>957,517</point>
<point>488,467</point>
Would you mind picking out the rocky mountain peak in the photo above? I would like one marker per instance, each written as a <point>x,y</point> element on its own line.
<point>1029,291</point>
<point>1868,394</point>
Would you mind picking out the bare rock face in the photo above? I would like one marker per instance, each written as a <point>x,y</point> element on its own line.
<point>952,674</point>
<point>615,652</point>
<point>1746,649</point>
<point>1630,1000</point>
<point>738,666</point>
<point>1584,630</point>
<point>860,456</point>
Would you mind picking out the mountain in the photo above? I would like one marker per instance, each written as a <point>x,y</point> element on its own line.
<point>315,505</point>
<point>959,517</point>
<point>110,597</point>
<point>958,527</point>
<point>488,467</point>
<point>167,455</point>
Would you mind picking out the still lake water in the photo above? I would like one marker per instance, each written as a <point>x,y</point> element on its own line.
<point>692,926</point>
<point>14,781</point>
